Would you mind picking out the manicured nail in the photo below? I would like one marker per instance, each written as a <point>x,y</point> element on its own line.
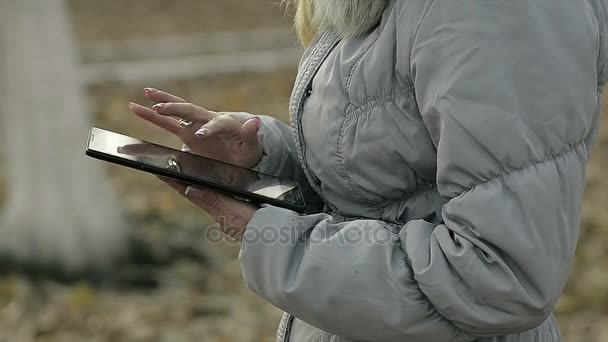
<point>202,132</point>
<point>257,120</point>
<point>192,192</point>
<point>158,106</point>
<point>150,90</point>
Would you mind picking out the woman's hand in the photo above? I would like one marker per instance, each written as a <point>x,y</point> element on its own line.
<point>229,137</point>
<point>232,215</point>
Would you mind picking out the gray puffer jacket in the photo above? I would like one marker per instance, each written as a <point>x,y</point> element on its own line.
<point>449,148</point>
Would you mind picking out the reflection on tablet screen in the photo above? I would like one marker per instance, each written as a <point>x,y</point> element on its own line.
<point>195,166</point>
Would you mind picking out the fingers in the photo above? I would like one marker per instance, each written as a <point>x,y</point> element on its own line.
<point>186,111</point>
<point>161,96</point>
<point>145,150</point>
<point>210,197</point>
<point>221,124</point>
<point>249,131</point>
<point>161,121</point>
<point>231,214</point>
<point>208,200</point>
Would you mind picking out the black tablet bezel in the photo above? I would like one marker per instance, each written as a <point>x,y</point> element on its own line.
<point>169,173</point>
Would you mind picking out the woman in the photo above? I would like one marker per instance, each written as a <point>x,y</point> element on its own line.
<point>450,138</point>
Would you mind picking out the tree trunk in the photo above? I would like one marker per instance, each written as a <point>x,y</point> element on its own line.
<point>60,210</point>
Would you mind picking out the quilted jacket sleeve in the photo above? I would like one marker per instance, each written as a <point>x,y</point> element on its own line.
<point>509,95</point>
<point>280,156</point>
<point>280,159</point>
<point>510,102</point>
<point>600,8</point>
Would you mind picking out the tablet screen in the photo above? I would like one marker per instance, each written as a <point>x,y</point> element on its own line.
<point>142,153</point>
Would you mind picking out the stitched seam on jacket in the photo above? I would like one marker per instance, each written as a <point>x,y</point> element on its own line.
<point>595,15</point>
<point>340,159</point>
<point>412,279</point>
<point>421,191</point>
<point>601,35</point>
<point>353,111</point>
<point>356,64</point>
<point>394,228</point>
<point>322,336</point>
<point>572,148</point>
<point>422,18</point>
<point>408,263</point>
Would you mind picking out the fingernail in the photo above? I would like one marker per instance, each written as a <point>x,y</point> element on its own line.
<point>202,132</point>
<point>159,106</point>
<point>257,120</point>
<point>119,149</point>
<point>149,90</point>
<point>192,192</point>
<point>133,105</point>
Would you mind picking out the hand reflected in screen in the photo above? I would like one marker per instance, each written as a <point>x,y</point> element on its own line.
<point>192,165</point>
<point>231,214</point>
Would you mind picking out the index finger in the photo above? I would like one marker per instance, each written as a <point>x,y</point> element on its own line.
<point>186,111</point>
<point>167,123</point>
<point>157,95</point>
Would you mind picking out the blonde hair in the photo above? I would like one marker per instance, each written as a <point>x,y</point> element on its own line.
<point>303,14</point>
<point>348,18</point>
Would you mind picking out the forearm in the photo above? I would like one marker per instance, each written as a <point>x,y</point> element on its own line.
<point>362,289</point>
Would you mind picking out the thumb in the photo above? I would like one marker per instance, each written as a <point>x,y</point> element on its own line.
<point>249,131</point>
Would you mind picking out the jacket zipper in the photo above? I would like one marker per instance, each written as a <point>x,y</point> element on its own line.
<point>325,48</point>
<point>287,335</point>
<point>326,43</point>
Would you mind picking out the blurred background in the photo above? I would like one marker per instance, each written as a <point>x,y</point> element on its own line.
<point>145,271</point>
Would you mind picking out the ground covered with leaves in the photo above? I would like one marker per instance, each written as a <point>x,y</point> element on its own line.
<point>177,285</point>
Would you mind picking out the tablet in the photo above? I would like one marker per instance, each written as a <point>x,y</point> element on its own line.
<point>241,183</point>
